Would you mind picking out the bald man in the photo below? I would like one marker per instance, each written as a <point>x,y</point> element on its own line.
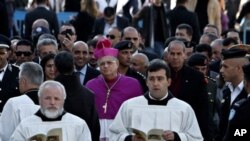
<point>80,53</point>
<point>139,62</point>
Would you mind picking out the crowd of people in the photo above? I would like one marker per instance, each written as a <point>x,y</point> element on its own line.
<point>107,74</point>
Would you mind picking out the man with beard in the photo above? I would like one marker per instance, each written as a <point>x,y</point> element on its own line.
<point>51,115</point>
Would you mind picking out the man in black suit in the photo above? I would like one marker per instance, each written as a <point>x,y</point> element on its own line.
<point>80,53</point>
<point>40,12</point>
<point>188,84</point>
<point>110,19</point>
<point>240,113</point>
<point>232,73</point>
<point>80,100</point>
<point>181,15</point>
<point>8,74</point>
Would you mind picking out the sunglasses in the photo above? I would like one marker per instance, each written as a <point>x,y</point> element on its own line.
<point>129,39</point>
<point>110,36</point>
<point>25,53</point>
<point>3,52</point>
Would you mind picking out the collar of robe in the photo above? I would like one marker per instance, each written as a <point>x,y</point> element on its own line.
<point>44,118</point>
<point>33,95</point>
<point>158,102</point>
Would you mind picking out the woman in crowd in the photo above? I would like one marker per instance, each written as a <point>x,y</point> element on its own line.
<point>48,66</point>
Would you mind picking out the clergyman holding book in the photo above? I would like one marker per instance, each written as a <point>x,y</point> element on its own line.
<point>157,112</point>
<point>51,122</point>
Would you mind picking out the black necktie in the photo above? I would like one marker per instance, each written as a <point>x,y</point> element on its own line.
<point>1,71</point>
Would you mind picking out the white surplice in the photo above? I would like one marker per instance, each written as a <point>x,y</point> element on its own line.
<point>176,116</point>
<point>73,128</point>
<point>15,109</point>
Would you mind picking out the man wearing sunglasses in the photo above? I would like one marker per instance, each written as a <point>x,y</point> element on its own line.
<point>114,35</point>
<point>131,34</point>
<point>24,52</point>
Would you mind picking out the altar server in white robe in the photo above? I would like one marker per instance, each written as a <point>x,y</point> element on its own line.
<point>17,108</point>
<point>156,109</point>
<point>50,116</point>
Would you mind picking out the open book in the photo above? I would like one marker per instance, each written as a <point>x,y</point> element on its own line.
<point>52,135</point>
<point>152,135</point>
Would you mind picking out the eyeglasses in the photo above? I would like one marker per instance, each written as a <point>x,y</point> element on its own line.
<point>110,36</point>
<point>25,53</point>
<point>129,38</point>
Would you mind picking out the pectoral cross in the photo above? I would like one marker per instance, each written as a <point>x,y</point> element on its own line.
<point>105,106</point>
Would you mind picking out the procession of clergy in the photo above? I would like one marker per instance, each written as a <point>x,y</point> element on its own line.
<point>112,105</point>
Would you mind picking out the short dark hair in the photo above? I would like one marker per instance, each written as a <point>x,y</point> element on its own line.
<point>204,47</point>
<point>211,37</point>
<point>92,43</point>
<point>228,41</point>
<point>64,62</point>
<point>25,43</point>
<point>213,26</point>
<point>188,28</point>
<point>158,64</point>
<point>109,11</point>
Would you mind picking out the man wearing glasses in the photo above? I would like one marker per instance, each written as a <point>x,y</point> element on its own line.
<point>131,34</point>
<point>114,35</point>
<point>24,52</point>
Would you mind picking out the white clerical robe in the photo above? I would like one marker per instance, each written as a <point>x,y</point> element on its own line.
<point>15,109</point>
<point>177,116</point>
<point>73,128</point>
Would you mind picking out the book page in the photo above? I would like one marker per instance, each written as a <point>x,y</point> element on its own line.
<point>38,137</point>
<point>54,134</point>
<point>155,135</point>
<point>138,133</point>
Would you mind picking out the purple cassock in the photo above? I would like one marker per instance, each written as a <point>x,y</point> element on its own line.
<point>109,98</point>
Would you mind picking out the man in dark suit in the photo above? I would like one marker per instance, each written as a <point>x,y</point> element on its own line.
<point>110,19</point>
<point>40,12</point>
<point>200,62</point>
<point>188,84</point>
<point>181,15</point>
<point>240,114</point>
<point>232,73</point>
<point>80,100</point>
<point>8,74</point>
<point>80,53</point>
